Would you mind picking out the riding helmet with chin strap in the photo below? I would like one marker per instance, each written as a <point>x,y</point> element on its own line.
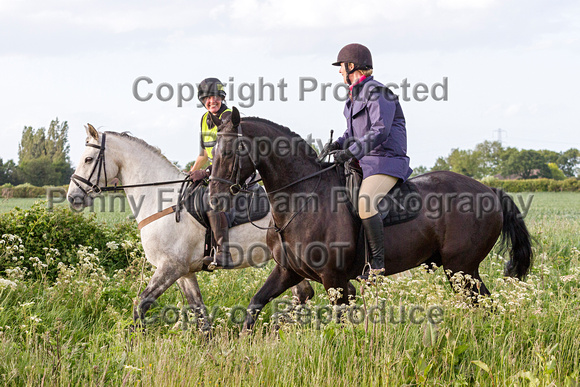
<point>357,54</point>
<point>209,87</point>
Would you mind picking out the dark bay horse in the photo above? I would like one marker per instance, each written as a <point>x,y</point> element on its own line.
<point>316,236</point>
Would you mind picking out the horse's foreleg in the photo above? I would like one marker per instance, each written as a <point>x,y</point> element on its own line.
<point>162,279</point>
<point>189,286</point>
<point>279,280</point>
<point>338,290</point>
<point>341,285</point>
<point>303,291</point>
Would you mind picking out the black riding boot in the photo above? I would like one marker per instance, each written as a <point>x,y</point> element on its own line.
<point>374,231</point>
<point>219,225</point>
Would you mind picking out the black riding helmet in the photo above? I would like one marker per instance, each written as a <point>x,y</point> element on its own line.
<point>357,54</point>
<point>209,87</point>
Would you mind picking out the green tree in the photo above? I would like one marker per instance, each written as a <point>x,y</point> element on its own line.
<point>189,165</point>
<point>43,154</point>
<point>555,172</point>
<point>441,164</point>
<point>568,162</point>
<point>421,169</point>
<point>525,163</point>
<point>466,162</point>
<point>8,172</point>
<point>550,156</point>
<point>490,157</point>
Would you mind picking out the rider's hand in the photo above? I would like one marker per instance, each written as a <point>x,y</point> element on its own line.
<point>343,156</point>
<point>198,175</point>
<point>329,147</point>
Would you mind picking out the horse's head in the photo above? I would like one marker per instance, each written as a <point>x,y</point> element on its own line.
<point>92,171</point>
<point>232,161</point>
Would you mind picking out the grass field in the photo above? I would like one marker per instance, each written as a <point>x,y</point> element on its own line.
<point>76,330</point>
<point>112,208</point>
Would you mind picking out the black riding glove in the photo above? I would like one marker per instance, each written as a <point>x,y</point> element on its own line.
<point>330,146</point>
<point>343,156</point>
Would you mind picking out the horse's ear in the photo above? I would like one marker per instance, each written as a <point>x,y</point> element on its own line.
<point>235,116</point>
<point>215,119</point>
<point>92,132</point>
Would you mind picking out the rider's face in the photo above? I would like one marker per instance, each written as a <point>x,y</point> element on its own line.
<point>342,71</point>
<point>213,103</point>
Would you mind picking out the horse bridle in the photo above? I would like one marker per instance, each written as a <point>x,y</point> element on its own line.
<point>236,187</point>
<point>100,167</point>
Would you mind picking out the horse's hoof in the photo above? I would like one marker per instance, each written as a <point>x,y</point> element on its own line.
<point>136,328</point>
<point>211,266</point>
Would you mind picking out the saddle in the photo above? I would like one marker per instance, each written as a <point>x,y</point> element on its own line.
<point>246,206</point>
<point>401,204</point>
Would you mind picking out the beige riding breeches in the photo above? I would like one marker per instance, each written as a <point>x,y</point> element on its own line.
<point>372,190</point>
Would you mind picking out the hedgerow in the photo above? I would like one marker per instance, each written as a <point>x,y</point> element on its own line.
<point>534,185</point>
<point>38,235</point>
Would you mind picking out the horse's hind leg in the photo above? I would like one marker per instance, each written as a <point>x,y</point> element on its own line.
<point>279,280</point>
<point>162,279</point>
<point>303,291</point>
<point>479,286</point>
<point>190,288</point>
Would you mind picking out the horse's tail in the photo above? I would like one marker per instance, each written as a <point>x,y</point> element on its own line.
<point>516,231</point>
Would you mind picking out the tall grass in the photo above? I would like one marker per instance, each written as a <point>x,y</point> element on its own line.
<point>77,330</point>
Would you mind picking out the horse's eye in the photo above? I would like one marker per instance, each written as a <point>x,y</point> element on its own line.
<point>89,160</point>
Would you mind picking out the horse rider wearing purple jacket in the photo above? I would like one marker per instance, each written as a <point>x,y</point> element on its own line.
<point>377,138</point>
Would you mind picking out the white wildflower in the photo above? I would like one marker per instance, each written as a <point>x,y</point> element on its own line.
<point>4,283</point>
<point>568,278</point>
<point>112,245</point>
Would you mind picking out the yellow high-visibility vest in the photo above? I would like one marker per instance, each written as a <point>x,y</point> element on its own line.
<point>209,135</point>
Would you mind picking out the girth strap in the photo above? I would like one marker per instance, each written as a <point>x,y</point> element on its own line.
<point>154,217</point>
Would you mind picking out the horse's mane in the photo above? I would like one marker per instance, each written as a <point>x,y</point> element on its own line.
<point>285,130</point>
<point>154,149</point>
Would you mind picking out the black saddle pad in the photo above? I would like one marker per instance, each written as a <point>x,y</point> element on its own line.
<point>401,204</point>
<point>245,206</point>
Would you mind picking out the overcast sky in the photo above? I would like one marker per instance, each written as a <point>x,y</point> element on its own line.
<point>509,64</point>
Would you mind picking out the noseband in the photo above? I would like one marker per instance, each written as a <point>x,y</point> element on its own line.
<point>99,166</point>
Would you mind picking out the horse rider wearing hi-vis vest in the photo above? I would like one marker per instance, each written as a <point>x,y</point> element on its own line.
<point>211,94</point>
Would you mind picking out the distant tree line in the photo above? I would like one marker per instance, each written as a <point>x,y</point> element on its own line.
<point>43,157</point>
<point>490,158</point>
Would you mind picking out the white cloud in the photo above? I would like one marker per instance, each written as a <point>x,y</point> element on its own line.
<point>461,4</point>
